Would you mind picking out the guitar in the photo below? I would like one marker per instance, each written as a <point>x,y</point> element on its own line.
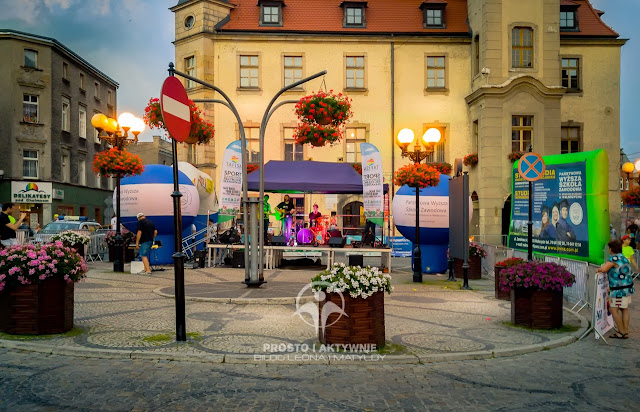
<point>280,213</point>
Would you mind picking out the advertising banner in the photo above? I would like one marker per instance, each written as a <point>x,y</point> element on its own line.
<point>603,321</point>
<point>570,207</point>
<point>31,192</point>
<point>400,246</point>
<point>231,182</point>
<point>372,188</point>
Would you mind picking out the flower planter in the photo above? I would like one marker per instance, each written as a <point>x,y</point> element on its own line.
<point>323,120</point>
<point>43,308</point>
<point>500,294</point>
<point>192,139</point>
<point>364,323</point>
<point>536,308</point>
<point>475,268</point>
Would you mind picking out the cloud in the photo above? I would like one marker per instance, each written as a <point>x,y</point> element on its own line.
<point>63,4</point>
<point>25,10</point>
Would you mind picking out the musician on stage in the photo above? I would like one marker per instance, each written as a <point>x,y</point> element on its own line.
<point>267,213</point>
<point>286,207</point>
<point>314,217</point>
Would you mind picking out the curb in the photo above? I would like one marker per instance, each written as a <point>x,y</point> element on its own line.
<point>240,301</point>
<point>299,359</point>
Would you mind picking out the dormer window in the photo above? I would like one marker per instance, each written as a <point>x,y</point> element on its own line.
<point>433,15</point>
<point>568,18</point>
<point>354,14</point>
<point>271,13</point>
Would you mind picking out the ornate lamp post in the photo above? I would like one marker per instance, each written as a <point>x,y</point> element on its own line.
<point>110,131</point>
<point>417,155</point>
<point>629,168</point>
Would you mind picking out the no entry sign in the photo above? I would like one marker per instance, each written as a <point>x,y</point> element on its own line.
<point>531,166</point>
<point>175,109</point>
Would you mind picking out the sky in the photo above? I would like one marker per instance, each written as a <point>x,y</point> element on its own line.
<point>130,41</point>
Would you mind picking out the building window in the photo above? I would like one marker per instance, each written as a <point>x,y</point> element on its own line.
<point>190,69</point>
<point>65,71</point>
<point>354,16</point>
<point>521,133</point>
<point>31,59</point>
<point>252,134</point>
<point>66,114</point>
<point>433,16</point>
<point>189,22</point>
<point>270,15</point>
<point>355,72</point>
<point>192,154</point>
<point>82,122</point>
<point>82,175</point>
<point>292,150</point>
<point>571,73</point>
<point>65,168</point>
<point>438,154</point>
<point>570,142</point>
<point>30,164</point>
<point>292,70</point>
<point>436,72</point>
<point>522,47</point>
<point>29,108</point>
<point>476,58</point>
<point>96,90</point>
<point>96,139</point>
<point>249,72</point>
<point>109,97</point>
<point>83,85</point>
<point>354,136</point>
<point>568,20</point>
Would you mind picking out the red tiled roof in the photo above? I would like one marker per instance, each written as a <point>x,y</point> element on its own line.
<point>589,22</point>
<point>325,16</point>
<point>568,3</point>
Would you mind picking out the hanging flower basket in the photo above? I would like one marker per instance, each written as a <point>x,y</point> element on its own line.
<point>323,108</point>
<point>470,160</point>
<point>417,175</point>
<point>114,162</point>
<point>632,196</point>
<point>201,132</point>
<point>316,135</point>
<point>358,167</point>
<point>252,167</point>
<point>515,156</point>
<point>443,168</point>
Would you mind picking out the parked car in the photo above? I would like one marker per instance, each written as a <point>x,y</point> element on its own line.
<point>79,223</point>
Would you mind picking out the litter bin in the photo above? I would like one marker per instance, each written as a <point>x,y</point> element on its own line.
<point>201,258</point>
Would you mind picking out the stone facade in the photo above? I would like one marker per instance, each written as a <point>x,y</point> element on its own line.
<point>483,90</point>
<point>157,152</point>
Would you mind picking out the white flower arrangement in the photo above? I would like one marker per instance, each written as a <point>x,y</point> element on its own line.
<point>358,281</point>
<point>69,237</point>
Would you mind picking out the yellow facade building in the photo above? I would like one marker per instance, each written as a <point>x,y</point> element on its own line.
<point>493,75</point>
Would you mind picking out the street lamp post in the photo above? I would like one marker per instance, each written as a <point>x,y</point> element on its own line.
<point>109,131</point>
<point>417,155</point>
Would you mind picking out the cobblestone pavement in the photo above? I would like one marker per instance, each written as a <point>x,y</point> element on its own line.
<point>120,314</point>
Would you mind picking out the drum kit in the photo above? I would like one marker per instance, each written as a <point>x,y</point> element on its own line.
<point>315,235</point>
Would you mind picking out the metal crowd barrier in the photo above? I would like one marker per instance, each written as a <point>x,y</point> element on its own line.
<point>94,251</point>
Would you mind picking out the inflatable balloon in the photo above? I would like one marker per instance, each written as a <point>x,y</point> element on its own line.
<point>434,222</point>
<point>208,208</point>
<point>150,193</point>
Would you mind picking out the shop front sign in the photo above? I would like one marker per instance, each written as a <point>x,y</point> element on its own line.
<point>31,192</point>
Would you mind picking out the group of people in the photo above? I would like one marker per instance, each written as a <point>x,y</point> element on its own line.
<point>555,224</point>
<point>285,213</point>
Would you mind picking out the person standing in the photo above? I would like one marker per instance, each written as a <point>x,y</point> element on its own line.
<point>632,231</point>
<point>620,288</point>
<point>146,234</point>
<point>613,234</point>
<point>314,216</point>
<point>286,207</point>
<point>267,212</point>
<point>628,252</point>
<point>7,227</point>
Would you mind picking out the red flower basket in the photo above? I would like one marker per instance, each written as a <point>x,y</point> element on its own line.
<point>316,135</point>
<point>323,108</point>
<point>515,156</point>
<point>417,175</point>
<point>443,168</point>
<point>252,167</point>
<point>114,162</point>
<point>201,131</point>
<point>632,196</point>
<point>470,160</point>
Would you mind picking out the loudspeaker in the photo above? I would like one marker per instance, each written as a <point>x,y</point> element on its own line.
<point>337,241</point>
<point>238,259</point>
<point>356,260</point>
<point>278,241</point>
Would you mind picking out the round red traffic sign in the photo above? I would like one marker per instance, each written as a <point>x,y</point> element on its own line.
<point>531,166</point>
<point>175,109</point>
